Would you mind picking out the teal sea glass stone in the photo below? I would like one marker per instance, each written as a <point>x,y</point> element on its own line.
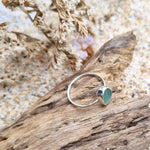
<point>107,96</point>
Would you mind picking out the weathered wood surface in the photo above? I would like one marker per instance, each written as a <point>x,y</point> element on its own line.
<point>53,123</point>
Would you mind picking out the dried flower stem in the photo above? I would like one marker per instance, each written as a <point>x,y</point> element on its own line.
<point>32,20</point>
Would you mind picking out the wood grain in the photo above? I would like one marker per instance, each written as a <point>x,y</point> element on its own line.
<point>54,124</point>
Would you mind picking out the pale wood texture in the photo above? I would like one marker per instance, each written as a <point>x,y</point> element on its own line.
<point>53,123</point>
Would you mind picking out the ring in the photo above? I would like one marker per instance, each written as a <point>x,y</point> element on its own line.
<point>104,93</point>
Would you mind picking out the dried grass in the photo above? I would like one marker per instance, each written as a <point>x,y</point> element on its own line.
<point>60,21</point>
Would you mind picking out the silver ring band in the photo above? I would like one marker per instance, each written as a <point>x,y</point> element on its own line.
<point>69,86</point>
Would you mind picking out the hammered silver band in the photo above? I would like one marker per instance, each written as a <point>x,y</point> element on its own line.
<point>69,86</point>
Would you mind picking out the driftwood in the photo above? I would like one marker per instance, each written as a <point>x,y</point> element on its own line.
<point>53,123</point>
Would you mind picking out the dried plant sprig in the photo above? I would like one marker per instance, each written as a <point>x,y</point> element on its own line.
<point>12,4</point>
<point>72,18</point>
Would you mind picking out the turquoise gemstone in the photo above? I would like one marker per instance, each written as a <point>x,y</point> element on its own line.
<point>107,96</point>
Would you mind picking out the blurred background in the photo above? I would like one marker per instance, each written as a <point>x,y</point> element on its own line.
<point>26,73</point>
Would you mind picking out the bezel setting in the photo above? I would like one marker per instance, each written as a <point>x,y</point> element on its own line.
<point>105,94</point>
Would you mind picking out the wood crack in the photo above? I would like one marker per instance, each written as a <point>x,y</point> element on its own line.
<point>135,121</point>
